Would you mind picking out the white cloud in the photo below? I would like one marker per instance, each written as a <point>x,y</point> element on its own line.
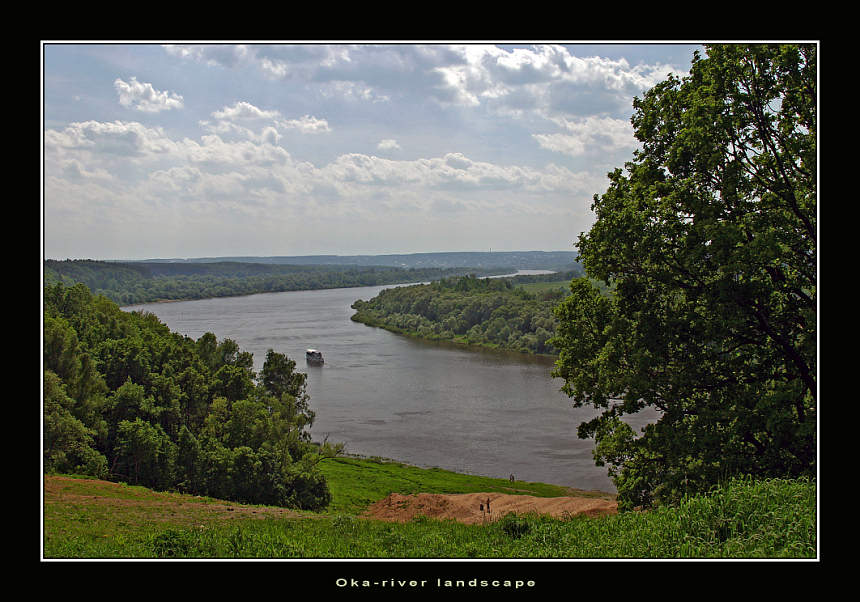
<point>547,80</point>
<point>352,91</point>
<point>143,97</point>
<point>388,144</point>
<point>226,55</point>
<point>306,124</point>
<point>224,128</point>
<point>75,170</point>
<point>177,179</point>
<point>453,171</point>
<point>115,139</point>
<point>274,69</point>
<point>589,135</point>
<point>215,151</point>
<point>259,171</point>
<point>244,110</point>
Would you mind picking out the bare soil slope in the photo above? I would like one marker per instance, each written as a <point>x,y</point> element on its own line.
<point>471,508</point>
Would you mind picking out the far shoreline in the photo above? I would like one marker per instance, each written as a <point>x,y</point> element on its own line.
<point>296,290</point>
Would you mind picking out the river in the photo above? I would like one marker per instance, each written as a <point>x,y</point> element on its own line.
<point>429,404</point>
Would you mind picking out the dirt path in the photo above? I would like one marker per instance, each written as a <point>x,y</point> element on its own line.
<point>466,507</point>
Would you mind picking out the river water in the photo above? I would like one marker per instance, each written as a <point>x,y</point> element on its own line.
<point>429,404</point>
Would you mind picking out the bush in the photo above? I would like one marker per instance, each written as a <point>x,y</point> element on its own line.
<point>514,525</point>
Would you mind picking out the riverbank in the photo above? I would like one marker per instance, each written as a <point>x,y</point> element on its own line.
<point>480,312</point>
<point>461,342</point>
<point>494,274</point>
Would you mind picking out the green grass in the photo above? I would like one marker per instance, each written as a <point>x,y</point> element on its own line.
<point>356,483</point>
<point>540,287</point>
<point>743,519</point>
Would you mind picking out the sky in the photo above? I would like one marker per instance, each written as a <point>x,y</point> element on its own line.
<point>248,149</point>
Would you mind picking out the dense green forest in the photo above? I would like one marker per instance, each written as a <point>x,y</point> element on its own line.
<point>127,399</point>
<point>140,282</point>
<point>489,312</point>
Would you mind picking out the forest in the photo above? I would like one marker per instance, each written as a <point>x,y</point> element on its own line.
<point>126,399</point>
<point>488,312</point>
<point>128,283</point>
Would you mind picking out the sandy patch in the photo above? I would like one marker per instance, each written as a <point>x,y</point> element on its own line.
<point>471,508</point>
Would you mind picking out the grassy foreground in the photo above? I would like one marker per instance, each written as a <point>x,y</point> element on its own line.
<point>744,519</point>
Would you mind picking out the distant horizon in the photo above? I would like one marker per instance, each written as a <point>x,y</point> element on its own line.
<point>308,255</point>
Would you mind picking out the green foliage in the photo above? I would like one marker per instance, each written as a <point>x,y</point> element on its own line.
<point>132,283</point>
<point>145,453</point>
<point>489,312</point>
<point>69,445</point>
<point>741,519</point>
<point>514,526</point>
<point>707,241</point>
<point>126,399</point>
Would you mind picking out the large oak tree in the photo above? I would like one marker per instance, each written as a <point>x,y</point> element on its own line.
<point>708,240</point>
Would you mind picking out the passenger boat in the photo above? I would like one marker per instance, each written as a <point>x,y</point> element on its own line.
<point>314,357</point>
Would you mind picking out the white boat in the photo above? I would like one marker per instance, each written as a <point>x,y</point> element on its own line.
<point>314,357</point>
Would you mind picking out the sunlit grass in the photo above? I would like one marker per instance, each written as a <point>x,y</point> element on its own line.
<point>745,518</point>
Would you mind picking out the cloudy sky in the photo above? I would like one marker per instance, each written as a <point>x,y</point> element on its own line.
<point>191,150</point>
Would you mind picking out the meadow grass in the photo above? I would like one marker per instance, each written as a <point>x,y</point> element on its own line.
<point>357,482</point>
<point>744,518</point>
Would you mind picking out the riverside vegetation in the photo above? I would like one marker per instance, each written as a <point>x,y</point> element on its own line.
<point>514,314</point>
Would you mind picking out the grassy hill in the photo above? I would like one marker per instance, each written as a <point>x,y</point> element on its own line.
<point>85,518</point>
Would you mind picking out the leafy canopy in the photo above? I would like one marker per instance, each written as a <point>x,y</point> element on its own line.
<point>126,399</point>
<point>707,240</point>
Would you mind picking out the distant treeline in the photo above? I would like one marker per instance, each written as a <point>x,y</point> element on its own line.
<point>140,282</point>
<point>566,276</point>
<point>515,260</point>
<point>490,312</point>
